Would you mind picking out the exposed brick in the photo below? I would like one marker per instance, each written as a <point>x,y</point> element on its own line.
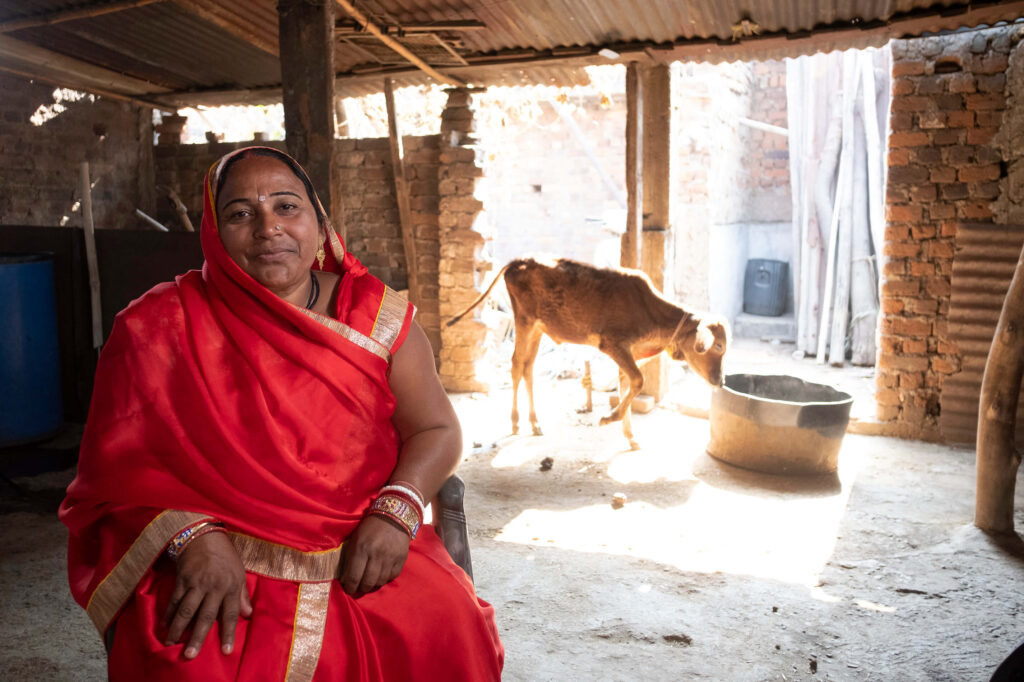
<point>903,214</point>
<point>995,83</point>
<point>954,191</point>
<point>990,63</point>
<point>984,190</point>
<point>941,211</point>
<point>892,306</point>
<point>980,135</point>
<point>893,268</point>
<point>915,346</point>
<point>924,193</point>
<point>908,68</point>
<point>922,269</point>
<point>910,381</point>
<point>906,326</point>
<point>949,102</point>
<point>923,230</point>
<point>937,286</point>
<point>908,139</point>
<point>947,136</point>
<point>901,121</point>
<point>926,155</point>
<point>887,396</point>
<point>960,119</point>
<point>910,363</point>
<point>942,175</point>
<point>944,366</point>
<point>974,210</point>
<point>985,102</point>
<point>903,86</point>
<point>898,157</point>
<point>896,232</point>
<point>900,287</point>
<point>989,119</point>
<point>908,175</point>
<point>978,173</point>
<point>886,413</point>
<point>961,83</point>
<point>910,103</point>
<point>902,250</point>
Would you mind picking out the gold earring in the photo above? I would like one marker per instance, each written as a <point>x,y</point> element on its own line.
<point>320,255</point>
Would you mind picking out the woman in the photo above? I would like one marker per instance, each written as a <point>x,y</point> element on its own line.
<point>260,439</point>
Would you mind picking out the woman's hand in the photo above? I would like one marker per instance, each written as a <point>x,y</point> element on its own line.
<point>211,582</point>
<point>373,556</point>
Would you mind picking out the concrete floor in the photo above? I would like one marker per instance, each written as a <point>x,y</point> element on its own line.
<point>708,572</point>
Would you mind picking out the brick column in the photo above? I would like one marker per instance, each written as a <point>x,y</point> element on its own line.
<point>462,267</point>
<point>947,102</point>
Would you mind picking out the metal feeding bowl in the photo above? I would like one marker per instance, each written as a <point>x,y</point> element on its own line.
<point>778,424</point>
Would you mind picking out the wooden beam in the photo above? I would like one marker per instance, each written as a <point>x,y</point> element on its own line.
<point>397,46</point>
<point>233,24</point>
<point>307,69</point>
<point>402,194</point>
<point>161,106</point>
<point>87,12</point>
<point>354,27</point>
<point>43,64</point>
<point>634,177</point>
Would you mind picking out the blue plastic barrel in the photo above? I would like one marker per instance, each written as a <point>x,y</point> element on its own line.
<point>30,399</point>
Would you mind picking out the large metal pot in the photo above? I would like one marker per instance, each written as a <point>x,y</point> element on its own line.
<point>778,424</point>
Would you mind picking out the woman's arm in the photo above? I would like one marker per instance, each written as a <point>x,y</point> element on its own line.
<point>431,448</point>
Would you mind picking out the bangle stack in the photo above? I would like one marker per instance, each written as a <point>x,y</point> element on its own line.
<point>402,504</point>
<point>182,540</point>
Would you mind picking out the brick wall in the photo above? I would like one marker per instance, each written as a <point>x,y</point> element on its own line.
<point>39,175</point>
<point>948,97</point>
<point>766,185</point>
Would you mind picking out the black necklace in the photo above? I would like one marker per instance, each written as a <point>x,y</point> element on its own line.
<point>314,291</point>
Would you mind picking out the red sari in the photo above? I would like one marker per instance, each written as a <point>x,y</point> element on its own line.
<point>215,398</point>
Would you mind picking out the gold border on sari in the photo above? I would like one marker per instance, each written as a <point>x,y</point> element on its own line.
<point>308,635</point>
<point>285,563</point>
<point>115,589</point>
<point>390,318</point>
<point>361,340</point>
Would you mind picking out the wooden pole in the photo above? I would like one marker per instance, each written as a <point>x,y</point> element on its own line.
<point>830,266</point>
<point>863,299</point>
<point>306,29</point>
<point>657,195</point>
<point>630,257</point>
<point>90,258</point>
<point>402,194</point>
<point>998,458</point>
<point>876,198</point>
<point>398,47</point>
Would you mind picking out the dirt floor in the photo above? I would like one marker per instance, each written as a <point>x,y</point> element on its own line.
<point>707,572</point>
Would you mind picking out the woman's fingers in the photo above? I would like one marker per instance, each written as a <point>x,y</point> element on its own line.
<point>204,620</point>
<point>228,621</point>
<point>352,571</point>
<point>185,611</point>
<point>172,606</point>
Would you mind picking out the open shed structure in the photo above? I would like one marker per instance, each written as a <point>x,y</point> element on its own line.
<point>139,55</point>
<point>953,214</point>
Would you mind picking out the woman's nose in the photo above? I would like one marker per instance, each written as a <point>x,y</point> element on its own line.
<point>266,224</point>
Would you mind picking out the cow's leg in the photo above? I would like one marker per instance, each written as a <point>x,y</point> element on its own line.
<point>525,352</point>
<point>634,380</point>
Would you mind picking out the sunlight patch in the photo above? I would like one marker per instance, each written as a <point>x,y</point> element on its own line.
<point>49,112</point>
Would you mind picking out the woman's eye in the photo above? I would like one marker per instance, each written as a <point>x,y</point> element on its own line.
<point>287,207</point>
<point>239,214</point>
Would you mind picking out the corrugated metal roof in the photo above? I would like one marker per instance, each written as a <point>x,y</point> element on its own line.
<point>984,263</point>
<point>198,48</point>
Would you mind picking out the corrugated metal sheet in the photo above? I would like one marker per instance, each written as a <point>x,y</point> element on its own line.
<point>986,257</point>
<point>223,45</point>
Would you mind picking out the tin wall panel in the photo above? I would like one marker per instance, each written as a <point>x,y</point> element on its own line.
<point>983,265</point>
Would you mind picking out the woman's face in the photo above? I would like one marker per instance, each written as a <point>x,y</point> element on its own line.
<point>268,225</point>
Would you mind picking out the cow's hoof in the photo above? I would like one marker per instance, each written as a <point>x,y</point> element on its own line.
<point>633,445</point>
<point>607,419</point>
<point>537,431</point>
<point>515,430</point>
<point>584,410</point>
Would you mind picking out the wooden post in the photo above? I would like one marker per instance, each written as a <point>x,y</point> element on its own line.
<point>630,257</point>
<point>90,258</point>
<point>998,458</point>
<point>863,292</point>
<point>402,194</point>
<point>657,144</point>
<point>306,35</point>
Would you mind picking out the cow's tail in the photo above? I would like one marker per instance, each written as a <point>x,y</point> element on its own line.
<point>480,298</point>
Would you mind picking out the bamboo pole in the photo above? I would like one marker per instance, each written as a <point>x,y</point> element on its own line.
<point>152,221</point>
<point>398,47</point>
<point>840,304</point>
<point>876,198</point>
<point>90,258</point>
<point>863,301</point>
<point>998,458</point>
<point>402,194</point>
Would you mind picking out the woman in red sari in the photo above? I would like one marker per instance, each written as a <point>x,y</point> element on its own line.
<point>260,439</point>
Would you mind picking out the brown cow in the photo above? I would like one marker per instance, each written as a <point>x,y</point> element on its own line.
<point>617,311</point>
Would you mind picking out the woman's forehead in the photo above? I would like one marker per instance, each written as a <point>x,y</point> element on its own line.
<point>261,170</point>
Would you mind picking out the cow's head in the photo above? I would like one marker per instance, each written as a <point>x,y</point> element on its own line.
<point>701,342</point>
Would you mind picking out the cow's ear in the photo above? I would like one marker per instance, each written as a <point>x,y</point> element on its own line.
<point>705,338</point>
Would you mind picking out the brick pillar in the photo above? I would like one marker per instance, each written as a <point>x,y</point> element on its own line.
<point>170,128</point>
<point>462,266</point>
